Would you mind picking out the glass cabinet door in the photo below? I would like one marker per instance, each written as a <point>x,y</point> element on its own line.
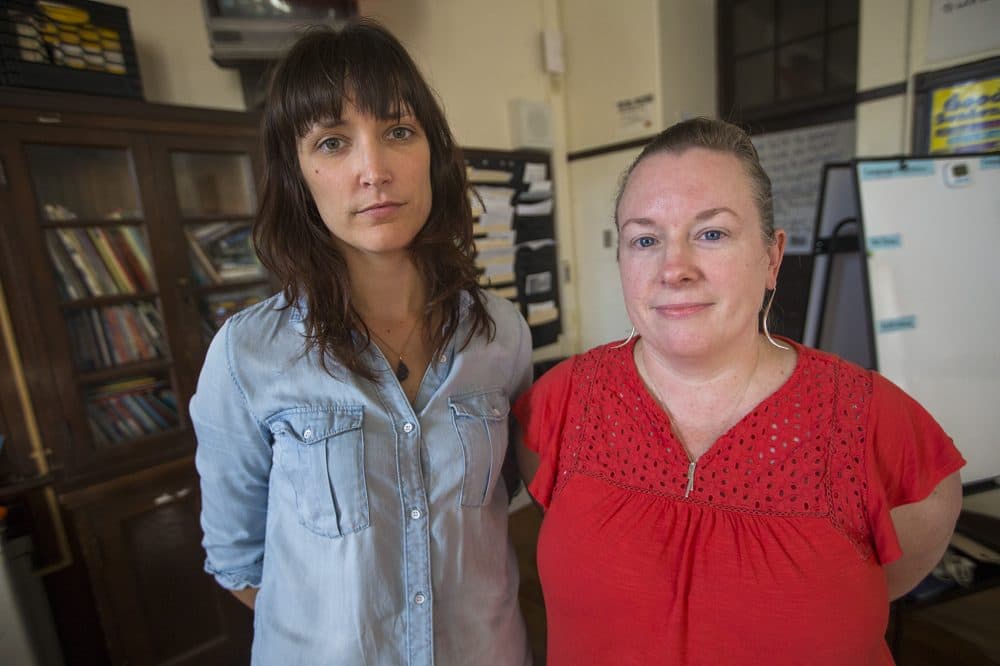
<point>92,218</point>
<point>216,200</point>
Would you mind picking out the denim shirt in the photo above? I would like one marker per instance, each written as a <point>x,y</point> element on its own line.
<point>376,530</point>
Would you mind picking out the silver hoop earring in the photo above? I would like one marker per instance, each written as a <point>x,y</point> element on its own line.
<point>631,334</point>
<point>767,311</point>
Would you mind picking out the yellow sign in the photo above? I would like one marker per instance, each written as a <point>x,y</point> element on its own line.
<point>966,118</point>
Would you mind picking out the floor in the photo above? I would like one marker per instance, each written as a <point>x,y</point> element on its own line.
<point>961,632</point>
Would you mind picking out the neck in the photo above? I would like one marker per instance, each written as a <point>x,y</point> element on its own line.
<point>739,361</point>
<point>387,289</point>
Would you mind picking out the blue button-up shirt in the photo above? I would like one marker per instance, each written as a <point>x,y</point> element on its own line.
<point>376,530</point>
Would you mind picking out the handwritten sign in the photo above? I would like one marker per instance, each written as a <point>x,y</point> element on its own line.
<point>794,160</point>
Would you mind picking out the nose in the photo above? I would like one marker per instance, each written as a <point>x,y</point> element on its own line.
<point>373,164</point>
<point>678,266</point>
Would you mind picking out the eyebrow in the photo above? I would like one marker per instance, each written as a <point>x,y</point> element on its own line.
<point>702,216</point>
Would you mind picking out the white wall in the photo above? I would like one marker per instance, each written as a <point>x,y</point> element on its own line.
<point>174,57</point>
<point>891,49</point>
<point>611,54</point>
<point>687,59</point>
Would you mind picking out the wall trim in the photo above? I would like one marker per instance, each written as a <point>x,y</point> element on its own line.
<point>872,94</point>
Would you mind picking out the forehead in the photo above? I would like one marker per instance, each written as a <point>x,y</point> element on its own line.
<point>696,176</point>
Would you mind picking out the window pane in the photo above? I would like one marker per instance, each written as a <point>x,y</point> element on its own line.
<point>842,59</point>
<point>800,69</point>
<point>753,80</point>
<point>799,18</point>
<point>80,183</point>
<point>843,11</point>
<point>752,25</point>
<point>210,184</point>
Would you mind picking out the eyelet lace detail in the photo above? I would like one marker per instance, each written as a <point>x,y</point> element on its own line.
<point>800,452</point>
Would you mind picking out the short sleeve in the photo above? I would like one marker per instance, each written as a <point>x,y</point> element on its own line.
<point>908,455</point>
<point>541,413</point>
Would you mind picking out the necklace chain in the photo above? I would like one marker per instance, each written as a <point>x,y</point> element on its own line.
<point>402,370</point>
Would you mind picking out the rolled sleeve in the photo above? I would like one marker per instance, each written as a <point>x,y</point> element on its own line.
<point>234,462</point>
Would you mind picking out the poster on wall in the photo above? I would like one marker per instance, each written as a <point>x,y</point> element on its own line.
<point>959,28</point>
<point>966,117</point>
<point>794,160</point>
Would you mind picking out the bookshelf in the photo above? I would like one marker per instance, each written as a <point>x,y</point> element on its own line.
<point>124,245</point>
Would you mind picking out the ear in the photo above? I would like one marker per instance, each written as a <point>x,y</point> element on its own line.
<point>775,252</point>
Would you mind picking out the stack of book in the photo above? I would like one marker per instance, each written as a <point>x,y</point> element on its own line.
<point>100,261</point>
<point>109,336</point>
<point>222,252</point>
<point>129,409</point>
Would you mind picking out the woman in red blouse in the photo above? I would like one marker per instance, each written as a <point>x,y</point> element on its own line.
<point>713,495</point>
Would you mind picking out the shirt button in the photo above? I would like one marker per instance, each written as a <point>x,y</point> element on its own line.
<point>496,412</point>
<point>442,359</point>
<point>307,433</point>
<point>415,514</point>
<point>419,598</point>
<point>407,427</point>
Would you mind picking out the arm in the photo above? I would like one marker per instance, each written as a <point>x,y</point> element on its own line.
<point>233,459</point>
<point>247,596</point>
<point>924,529</point>
<point>527,460</point>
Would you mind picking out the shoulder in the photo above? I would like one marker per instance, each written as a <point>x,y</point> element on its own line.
<point>273,308</point>
<point>503,311</point>
<point>823,368</point>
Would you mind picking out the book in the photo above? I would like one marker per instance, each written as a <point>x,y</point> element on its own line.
<point>70,284</point>
<point>133,237</point>
<point>94,261</point>
<point>132,264</point>
<point>79,259</point>
<point>116,267</point>
<point>200,259</point>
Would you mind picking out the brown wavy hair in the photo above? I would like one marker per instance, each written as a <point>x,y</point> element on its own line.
<point>364,65</point>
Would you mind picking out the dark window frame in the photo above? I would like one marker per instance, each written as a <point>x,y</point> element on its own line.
<point>831,105</point>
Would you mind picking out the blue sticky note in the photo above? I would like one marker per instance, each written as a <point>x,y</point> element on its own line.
<point>885,242</point>
<point>893,324</point>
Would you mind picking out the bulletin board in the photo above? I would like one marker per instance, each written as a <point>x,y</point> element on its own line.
<point>931,229</point>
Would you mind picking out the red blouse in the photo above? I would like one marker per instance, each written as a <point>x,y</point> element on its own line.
<point>775,555</point>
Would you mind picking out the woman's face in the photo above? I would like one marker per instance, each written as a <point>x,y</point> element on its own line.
<point>693,263</point>
<point>370,179</point>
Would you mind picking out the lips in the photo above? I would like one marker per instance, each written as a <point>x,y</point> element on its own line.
<point>681,310</point>
<point>380,206</point>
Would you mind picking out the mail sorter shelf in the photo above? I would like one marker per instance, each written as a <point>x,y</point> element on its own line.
<point>517,252</point>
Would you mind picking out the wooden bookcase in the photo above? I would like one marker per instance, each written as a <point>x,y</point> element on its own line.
<point>123,245</point>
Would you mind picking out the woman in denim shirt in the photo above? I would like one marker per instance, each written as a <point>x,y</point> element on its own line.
<point>352,429</point>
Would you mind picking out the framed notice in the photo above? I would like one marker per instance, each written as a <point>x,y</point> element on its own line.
<point>957,110</point>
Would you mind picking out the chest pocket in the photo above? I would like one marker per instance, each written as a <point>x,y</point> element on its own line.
<point>323,453</point>
<point>481,421</point>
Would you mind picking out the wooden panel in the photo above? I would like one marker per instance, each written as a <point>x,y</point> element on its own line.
<point>141,541</point>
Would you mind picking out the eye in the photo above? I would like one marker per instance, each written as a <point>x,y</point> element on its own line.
<point>712,235</point>
<point>401,133</point>
<point>644,241</point>
<point>331,144</point>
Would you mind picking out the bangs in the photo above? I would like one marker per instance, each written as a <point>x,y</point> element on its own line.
<point>379,82</point>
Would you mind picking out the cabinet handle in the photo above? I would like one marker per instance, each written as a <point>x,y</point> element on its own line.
<point>53,119</point>
<point>167,498</point>
<point>3,175</point>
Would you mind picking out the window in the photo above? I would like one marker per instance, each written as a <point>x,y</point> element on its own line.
<point>782,57</point>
